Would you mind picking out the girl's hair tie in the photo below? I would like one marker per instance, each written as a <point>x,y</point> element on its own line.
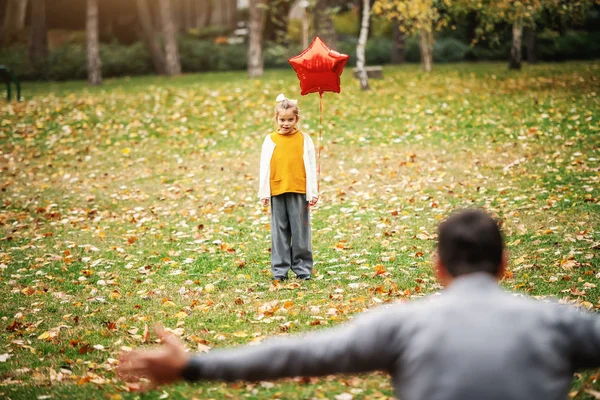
<point>282,97</point>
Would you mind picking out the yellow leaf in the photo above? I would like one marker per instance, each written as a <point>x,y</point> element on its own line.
<point>181,315</point>
<point>45,336</point>
<point>28,291</point>
<point>209,288</point>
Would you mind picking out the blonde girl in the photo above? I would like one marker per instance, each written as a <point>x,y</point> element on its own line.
<point>288,181</point>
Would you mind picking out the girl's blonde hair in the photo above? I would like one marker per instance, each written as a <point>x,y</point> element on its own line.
<point>283,103</point>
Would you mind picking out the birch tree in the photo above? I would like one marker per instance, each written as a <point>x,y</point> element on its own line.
<point>360,48</point>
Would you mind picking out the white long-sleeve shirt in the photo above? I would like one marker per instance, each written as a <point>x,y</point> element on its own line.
<point>310,167</point>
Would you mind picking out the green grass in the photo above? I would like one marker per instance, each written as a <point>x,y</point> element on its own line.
<point>135,203</point>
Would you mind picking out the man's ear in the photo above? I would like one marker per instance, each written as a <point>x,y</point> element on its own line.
<point>442,273</point>
<point>503,265</point>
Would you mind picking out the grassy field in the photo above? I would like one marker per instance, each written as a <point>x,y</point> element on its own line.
<point>135,203</point>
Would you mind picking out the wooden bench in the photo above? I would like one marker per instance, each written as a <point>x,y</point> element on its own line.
<point>374,72</point>
<point>8,77</point>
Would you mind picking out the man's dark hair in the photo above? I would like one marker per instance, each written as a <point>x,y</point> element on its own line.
<point>470,241</point>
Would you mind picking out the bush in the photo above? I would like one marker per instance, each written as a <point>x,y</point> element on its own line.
<point>378,50</point>
<point>197,55</point>
<point>232,57</point>
<point>449,50</point>
<point>478,53</point>
<point>15,58</point>
<point>120,60</point>
<point>413,52</point>
<point>204,55</point>
<point>277,55</point>
<point>573,45</point>
<point>67,62</point>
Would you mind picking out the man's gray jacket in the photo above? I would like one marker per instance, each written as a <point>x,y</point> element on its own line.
<point>474,341</point>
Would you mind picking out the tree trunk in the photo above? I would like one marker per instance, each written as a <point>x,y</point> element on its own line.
<point>360,48</point>
<point>257,19</point>
<point>398,45</point>
<point>38,45</point>
<point>305,26</point>
<point>360,12</point>
<point>231,13</point>
<point>176,14</point>
<point>14,19</point>
<point>515,50</point>
<point>189,14</point>
<point>426,47</point>
<point>150,38</point>
<point>204,13</point>
<point>172,63</point>
<point>276,21</point>
<point>324,24</point>
<point>93,45</point>
<point>530,40</point>
<point>472,24</point>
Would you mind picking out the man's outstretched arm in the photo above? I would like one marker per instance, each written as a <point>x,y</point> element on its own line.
<point>369,343</point>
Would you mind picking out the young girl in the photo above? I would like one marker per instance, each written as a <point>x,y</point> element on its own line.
<point>288,178</point>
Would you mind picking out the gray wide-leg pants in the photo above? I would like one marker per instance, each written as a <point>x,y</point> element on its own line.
<point>290,235</point>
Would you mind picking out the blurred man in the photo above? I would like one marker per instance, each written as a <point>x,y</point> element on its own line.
<point>475,341</point>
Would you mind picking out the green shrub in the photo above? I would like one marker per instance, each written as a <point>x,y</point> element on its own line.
<point>210,32</point>
<point>232,57</point>
<point>413,52</point>
<point>67,62</point>
<point>449,50</point>
<point>118,60</point>
<point>16,58</point>
<point>378,50</point>
<point>197,55</point>
<point>573,45</point>
<point>479,53</point>
<point>277,55</point>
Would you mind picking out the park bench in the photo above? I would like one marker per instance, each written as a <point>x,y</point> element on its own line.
<point>373,72</point>
<point>8,77</point>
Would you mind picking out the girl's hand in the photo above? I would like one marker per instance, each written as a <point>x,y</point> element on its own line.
<point>313,201</point>
<point>265,202</point>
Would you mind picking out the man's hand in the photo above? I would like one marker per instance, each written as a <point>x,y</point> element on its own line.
<point>265,202</point>
<point>161,365</point>
<point>313,201</point>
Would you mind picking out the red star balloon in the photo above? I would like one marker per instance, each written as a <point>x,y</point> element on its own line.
<point>319,68</point>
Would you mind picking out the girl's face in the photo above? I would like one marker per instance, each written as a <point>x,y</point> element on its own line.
<point>286,121</point>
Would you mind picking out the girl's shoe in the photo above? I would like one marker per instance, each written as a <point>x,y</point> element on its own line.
<point>304,277</point>
<point>280,278</point>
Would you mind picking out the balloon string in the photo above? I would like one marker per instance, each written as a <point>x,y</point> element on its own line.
<point>320,141</point>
